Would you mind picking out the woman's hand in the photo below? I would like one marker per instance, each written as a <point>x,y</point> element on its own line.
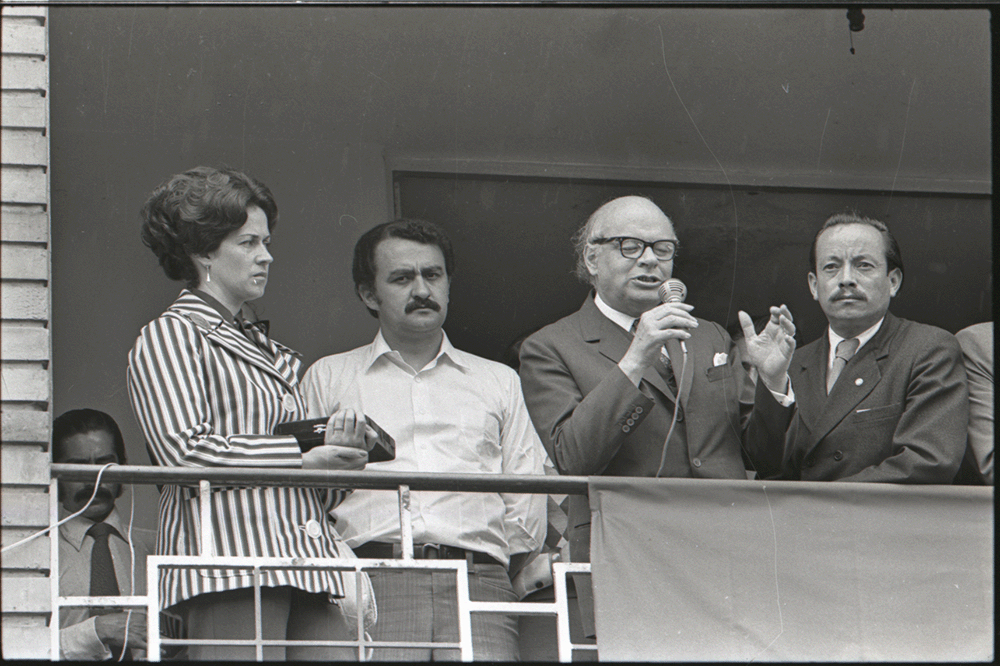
<point>344,445</point>
<point>346,428</point>
<point>331,456</point>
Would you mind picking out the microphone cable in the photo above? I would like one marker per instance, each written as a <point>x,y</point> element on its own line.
<point>97,484</point>
<point>677,406</point>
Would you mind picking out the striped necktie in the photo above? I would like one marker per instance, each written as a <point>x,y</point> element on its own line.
<point>845,350</point>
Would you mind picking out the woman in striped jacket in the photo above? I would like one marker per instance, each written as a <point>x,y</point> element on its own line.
<point>208,390</point>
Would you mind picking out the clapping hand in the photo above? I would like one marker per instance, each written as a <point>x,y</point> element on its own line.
<point>771,350</point>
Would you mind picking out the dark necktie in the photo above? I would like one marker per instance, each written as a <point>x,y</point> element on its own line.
<point>845,350</point>
<point>103,582</point>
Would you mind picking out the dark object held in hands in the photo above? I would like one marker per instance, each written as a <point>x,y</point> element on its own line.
<point>312,432</point>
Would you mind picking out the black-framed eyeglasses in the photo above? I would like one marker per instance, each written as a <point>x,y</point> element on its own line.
<point>632,248</point>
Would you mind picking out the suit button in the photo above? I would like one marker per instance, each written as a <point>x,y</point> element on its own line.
<point>838,455</point>
<point>288,402</point>
<point>630,422</point>
<point>696,462</point>
<point>638,410</point>
<point>625,428</point>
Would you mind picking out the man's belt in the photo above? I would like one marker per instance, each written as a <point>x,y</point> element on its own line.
<point>423,551</point>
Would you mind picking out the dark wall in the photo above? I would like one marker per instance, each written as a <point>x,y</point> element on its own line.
<point>740,249</point>
<point>313,100</point>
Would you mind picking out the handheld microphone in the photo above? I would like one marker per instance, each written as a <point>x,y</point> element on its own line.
<point>674,291</point>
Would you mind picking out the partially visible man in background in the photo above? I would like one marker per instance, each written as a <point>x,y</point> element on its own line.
<point>95,557</point>
<point>977,354</point>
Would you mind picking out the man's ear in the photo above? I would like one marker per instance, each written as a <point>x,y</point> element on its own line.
<point>368,297</point>
<point>895,281</point>
<point>812,285</point>
<point>590,258</point>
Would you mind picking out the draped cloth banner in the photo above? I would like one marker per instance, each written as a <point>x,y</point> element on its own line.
<point>717,570</point>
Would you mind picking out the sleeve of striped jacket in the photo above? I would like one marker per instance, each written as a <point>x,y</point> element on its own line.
<point>169,391</point>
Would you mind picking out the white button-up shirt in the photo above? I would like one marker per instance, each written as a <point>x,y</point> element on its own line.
<point>459,414</point>
<point>836,340</point>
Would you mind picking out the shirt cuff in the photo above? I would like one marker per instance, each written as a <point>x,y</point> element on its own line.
<point>786,399</point>
<point>80,642</point>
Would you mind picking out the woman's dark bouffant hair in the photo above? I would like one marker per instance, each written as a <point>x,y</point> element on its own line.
<point>191,213</point>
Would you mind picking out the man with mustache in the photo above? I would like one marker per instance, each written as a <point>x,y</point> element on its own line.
<point>94,554</point>
<point>877,398</point>
<point>448,411</point>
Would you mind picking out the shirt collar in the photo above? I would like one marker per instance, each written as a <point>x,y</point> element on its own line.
<point>620,318</point>
<point>862,339</point>
<point>214,302</point>
<point>380,348</point>
<point>75,531</point>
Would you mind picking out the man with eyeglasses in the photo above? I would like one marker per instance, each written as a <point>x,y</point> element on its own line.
<point>602,384</point>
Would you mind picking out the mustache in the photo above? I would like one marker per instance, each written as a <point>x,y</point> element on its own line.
<point>103,493</point>
<point>418,303</point>
<point>848,293</point>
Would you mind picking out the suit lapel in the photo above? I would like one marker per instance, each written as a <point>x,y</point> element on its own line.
<point>612,342</point>
<point>207,319</point>
<point>858,379</point>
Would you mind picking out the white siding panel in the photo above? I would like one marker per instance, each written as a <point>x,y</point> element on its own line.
<point>23,425</point>
<point>24,73</point>
<point>25,637</point>
<point>22,39</point>
<point>22,109</point>
<point>24,300</point>
<point>25,594</point>
<point>24,262</point>
<point>24,147</point>
<point>26,225</point>
<point>24,343</point>
<point>31,556</point>
<point>23,465</point>
<point>23,185</point>
<point>24,383</point>
<point>22,507</point>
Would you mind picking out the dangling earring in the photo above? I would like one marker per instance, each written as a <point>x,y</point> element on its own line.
<point>208,272</point>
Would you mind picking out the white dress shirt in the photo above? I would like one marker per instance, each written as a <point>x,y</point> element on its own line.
<point>459,414</point>
<point>836,340</point>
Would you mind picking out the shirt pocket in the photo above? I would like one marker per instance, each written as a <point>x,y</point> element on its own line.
<point>866,414</point>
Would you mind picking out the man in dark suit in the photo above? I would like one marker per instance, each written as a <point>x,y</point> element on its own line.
<point>877,398</point>
<point>630,386</point>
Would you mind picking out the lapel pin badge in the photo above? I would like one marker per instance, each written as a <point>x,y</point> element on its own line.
<point>859,381</point>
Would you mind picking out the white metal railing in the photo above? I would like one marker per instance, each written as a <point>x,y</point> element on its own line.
<point>205,478</point>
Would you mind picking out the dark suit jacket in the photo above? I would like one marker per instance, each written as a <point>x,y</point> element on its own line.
<point>977,349</point>
<point>593,420</point>
<point>898,413</point>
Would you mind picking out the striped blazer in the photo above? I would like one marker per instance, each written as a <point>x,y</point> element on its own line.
<point>206,396</point>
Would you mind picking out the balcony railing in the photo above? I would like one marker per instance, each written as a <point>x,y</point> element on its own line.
<point>403,483</point>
